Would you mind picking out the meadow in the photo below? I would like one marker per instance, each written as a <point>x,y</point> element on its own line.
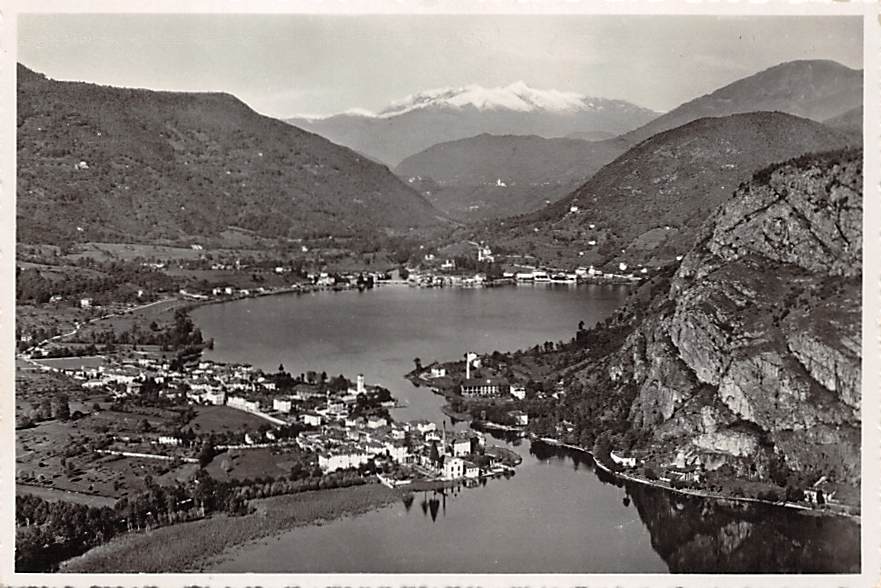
<point>175,548</point>
<point>223,419</point>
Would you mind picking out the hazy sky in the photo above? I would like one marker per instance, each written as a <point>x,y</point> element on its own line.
<point>284,65</point>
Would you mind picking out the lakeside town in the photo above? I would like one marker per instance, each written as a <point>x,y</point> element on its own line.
<point>145,407</point>
<point>347,425</point>
<point>589,324</point>
<point>344,425</point>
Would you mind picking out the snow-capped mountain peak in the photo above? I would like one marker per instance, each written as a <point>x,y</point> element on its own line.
<point>518,97</point>
<point>425,118</point>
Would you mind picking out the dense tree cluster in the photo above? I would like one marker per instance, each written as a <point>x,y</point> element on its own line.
<point>50,532</point>
<point>370,403</point>
<point>300,480</point>
<point>180,334</point>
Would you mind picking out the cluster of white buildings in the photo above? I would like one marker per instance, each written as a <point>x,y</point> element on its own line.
<point>428,279</point>
<point>207,383</point>
<point>340,438</point>
<point>418,444</point>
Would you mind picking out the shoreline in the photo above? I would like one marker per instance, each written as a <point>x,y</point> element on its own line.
<point>172,549</point>
<point>274,522</point>
<point>691,492</point>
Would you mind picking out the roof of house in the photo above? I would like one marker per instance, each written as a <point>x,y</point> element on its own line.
<point>484,382</point>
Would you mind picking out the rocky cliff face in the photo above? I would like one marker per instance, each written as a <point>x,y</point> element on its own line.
<point>753,356</point>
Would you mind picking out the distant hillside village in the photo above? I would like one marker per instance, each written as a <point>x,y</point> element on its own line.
<point>489,268</point>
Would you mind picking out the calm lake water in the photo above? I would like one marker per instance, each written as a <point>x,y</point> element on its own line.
<point>557,514</point>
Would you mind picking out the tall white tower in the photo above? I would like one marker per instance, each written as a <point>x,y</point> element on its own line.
<point>361,389</point>
<point>469,358</point>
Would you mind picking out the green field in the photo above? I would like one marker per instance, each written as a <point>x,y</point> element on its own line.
<point>55,454</point>
<point>161,312</point>
<point>55,494</point>
<point>222,419</point>
<point>74,363</point>
<point>241,464</point>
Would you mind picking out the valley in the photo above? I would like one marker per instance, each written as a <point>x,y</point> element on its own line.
<point>282,334</point>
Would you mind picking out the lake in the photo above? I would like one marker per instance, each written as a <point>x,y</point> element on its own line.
<point>380,332</point>
<point>556,514</point>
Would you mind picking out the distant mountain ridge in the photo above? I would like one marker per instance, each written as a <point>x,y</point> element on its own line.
<point>517,97</point>
<point>490,175</point>
<point>414,123</point>
<point>814,89</point>
<point>461,176</point>
<point>645,206</point>
<point>104,163</point>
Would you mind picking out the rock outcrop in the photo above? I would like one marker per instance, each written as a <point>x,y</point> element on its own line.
<point>752,357</point>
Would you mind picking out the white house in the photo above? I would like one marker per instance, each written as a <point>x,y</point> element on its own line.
<point>376,422</point>
<point>481,386</point>
<point>461,446</point>
<point>438,372</point>
<point>397,450</point>
<point>312,419</point>
<point>341,459</point>
<point>623,460</point>
<point>282,404</point>
<point>242,403</point>
<point>216,398</point>
<point>821,489</point>
<point>521,419</point>
<point>424,426</point>
<point>471,470</point>
<point>454,468</point>
<point>518,392</point>
<point>352,422</point>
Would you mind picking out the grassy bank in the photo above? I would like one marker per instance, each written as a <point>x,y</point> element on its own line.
<point>192,546</point>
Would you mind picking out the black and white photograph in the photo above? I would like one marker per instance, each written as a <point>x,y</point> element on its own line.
<point>402,293</point>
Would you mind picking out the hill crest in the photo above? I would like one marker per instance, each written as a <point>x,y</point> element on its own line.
<point>131,164</point>
<point>817,89</point>
<point>646,205</point>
